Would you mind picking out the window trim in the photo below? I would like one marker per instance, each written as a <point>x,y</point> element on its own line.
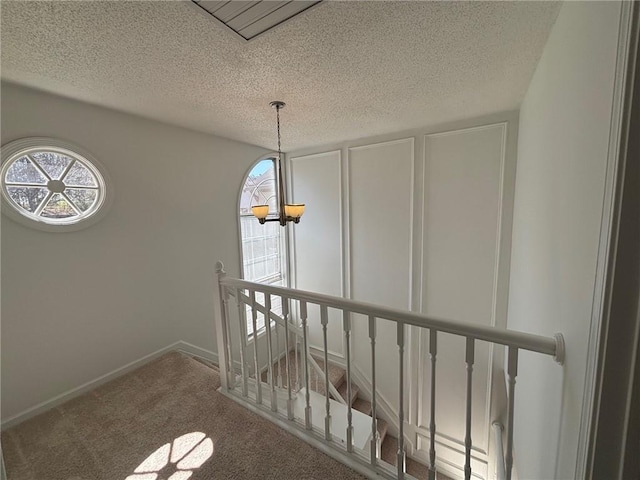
<point>9,152</point>
<point>286,250</point>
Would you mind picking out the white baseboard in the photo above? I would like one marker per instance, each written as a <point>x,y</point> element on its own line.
<point>196,351</point>
<point>334,358</point>
<point>85,387</point>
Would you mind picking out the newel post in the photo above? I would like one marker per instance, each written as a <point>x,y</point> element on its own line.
<point>221,324</point>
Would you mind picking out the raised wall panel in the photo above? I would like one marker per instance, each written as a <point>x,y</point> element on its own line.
<point>316,181</point>
<point>462,209</point>
<point>381,197</point>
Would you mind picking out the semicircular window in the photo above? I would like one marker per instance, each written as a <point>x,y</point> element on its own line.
<point>52,185</point>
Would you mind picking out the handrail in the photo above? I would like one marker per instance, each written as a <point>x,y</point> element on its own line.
<point>553,346</point>
<point>512,340</point>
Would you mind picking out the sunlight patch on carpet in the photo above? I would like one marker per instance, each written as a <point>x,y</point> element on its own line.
<point>176,460</point>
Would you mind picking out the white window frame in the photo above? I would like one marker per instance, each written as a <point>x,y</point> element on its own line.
<point>284,242</point>
<point>17,148</point>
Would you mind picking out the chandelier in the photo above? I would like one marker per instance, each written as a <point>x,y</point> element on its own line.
<point>288,212</point>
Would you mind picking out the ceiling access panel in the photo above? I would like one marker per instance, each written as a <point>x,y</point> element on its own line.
<point>248,19</point>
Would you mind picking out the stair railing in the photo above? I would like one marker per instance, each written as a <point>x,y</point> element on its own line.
<point>294,329</point>
<point>232,287</point>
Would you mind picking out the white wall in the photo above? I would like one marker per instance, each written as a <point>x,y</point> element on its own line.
<point>562,155</point>
<point>78,305</point>
<point>466,174</point>
<point>418,221</point>
<point>316,180</point>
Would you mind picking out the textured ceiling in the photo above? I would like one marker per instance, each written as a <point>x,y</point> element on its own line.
<point>346,69</point>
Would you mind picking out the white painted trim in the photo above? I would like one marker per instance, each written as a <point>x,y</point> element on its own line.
<point>417,235</point>
<point>195,351</point>
<point>334,357</point>
<point>496,280</point>
<point>446,467</point>
<point>345,225</point>
<point>602,289</point>
<point>396,141</point>
<point>41,407</point>
<point>416,132</point>
<point>347,269</point>
<point>85,387</point>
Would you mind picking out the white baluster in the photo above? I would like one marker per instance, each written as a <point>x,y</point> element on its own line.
<point>285,314</point>
<point>346,325</point>
<point>401,458</point>
<point>296,385</point>
<point>433,351</point>
<point>305,334</point>
<point>243,339</point>
<point>467,439</point>
<point>512,372</point>
<point>278,353</point>
<point>254,321</point>
<point>324,318</point>
<point>221,324</point>
<point>272,382</point>
<point>228,341</point>
<point>375,436</point>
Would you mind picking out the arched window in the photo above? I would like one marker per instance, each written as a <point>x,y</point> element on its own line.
<point>263,246</point>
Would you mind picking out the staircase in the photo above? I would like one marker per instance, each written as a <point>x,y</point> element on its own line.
<point>337,377</point>
<point>341,431</point>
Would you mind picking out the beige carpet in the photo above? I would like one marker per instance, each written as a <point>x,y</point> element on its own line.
<point>164,421</point>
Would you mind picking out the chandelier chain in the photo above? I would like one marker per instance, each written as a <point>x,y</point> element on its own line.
<point>278,117</point>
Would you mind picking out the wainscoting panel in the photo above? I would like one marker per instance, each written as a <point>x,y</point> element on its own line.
<point>381,214</point>
<point>317,245</point>
<point>463,181</point>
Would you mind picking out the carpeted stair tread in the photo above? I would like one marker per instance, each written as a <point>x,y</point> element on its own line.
<point>316,383</point>
<point>336,375</point>
<point>280,367</point>
<point>354,392</point>
<point>362,405</point>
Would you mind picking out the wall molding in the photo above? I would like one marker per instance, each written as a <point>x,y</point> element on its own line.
<point>607,247</point>
<point>411,140</point>
<point>53,402</point>
<point>499,297</point>
<point>450,467</point>
<point>334,357</point>
<point>335,154</point>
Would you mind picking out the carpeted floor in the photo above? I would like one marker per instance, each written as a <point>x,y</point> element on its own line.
<point>164,421</point>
